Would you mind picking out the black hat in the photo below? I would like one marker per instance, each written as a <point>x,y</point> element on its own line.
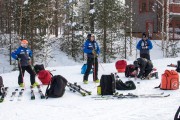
<point>89,36</point>
<point>136,63</point>
<point>144,34</point>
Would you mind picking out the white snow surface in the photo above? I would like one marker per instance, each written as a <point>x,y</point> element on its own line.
<point>72,106</point>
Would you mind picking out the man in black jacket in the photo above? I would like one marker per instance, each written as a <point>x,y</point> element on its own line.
<point>145,67</point>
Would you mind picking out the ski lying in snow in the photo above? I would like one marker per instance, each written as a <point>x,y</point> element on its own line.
<point>32,93</point>
<point>4,91</point>
<point>86,91</point>
<point>75,88</point>
<point>20,94</point>
<point>40,92</point>
<point>130,95</point>
<point>13,95</point>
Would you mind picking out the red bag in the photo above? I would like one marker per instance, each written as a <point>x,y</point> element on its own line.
<point>121,65</point>
<point>170,80</point>
<point>44,76</point>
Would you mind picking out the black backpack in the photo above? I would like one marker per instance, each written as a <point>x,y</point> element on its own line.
<point>1,84</point>
<point>129,70</point>
<point>128,85</point>
<point>56,87</point>
<point>107,84</point>
<point>38,68</point>
<point>177,116</point>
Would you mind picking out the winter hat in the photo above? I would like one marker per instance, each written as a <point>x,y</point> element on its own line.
<point>144,34</point>
<point>136,63</point>
<point>24,42</point>
<point>89,36</point>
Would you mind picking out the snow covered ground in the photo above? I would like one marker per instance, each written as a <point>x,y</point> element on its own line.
<point>74,106</point>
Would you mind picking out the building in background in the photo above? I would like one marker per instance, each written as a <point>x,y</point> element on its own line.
<point>147,17</point>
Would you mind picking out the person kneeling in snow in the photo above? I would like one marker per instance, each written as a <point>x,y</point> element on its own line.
<point>145,67</point>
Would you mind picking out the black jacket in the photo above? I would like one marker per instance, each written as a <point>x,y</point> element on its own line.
<point>144,65</point>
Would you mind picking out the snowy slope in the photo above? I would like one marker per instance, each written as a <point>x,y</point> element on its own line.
<point>73,106</point>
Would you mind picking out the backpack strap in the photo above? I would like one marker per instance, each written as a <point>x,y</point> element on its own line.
<point>177,113</point>
<point>48,85</point>
<point>157,86</point>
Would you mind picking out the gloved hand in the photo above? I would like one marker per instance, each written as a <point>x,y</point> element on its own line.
<point>138,76</point>
<point>145,47</point>
<point>143,78</point>
<point>18,59</point>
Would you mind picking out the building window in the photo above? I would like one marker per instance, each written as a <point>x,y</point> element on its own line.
<point>151,5</point>
<point>146,5</point>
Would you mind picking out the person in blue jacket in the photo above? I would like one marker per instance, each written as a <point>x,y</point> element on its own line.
<point>23,54</point>
<point>144,45</point>
<point>91,48</point>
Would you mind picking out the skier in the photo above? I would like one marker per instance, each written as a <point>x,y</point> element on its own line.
<point>23,55</point>
<point>145,67</point>
<point>92,50</point>
<point>144,45</point>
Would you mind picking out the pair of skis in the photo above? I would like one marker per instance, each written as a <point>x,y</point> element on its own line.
<point>13,95</point>
<point>77,88</point>
<point>42,96</point>
<point>130,95</point>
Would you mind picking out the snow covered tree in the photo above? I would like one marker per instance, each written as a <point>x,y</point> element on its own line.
<point>108,18</point>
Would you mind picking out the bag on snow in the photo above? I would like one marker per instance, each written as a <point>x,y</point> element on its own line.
<point>83,69</point>
<point>121,65</point>
<point>44,76</point>
<point>177,115</point>
<point>169,80</point>
<point>1,84</point>
<point>38,68</point>
<point>131,71</point>
<point>128,85</point>
<point>107,85</point>
<point>56,87</point>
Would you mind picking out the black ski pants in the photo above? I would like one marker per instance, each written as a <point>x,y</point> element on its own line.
<point>90,62</point>
<point>22,70</point>
<point>147,56</point>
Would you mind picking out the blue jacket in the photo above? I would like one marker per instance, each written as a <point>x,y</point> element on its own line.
<point>143,43</point>
<point>89,47</point>
<point>24,54</point>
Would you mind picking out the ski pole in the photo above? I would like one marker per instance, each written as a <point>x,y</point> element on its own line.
<point>20,67</point>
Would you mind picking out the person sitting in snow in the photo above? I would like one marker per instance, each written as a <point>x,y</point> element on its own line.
<point>23,55</point>
<point>145,67</point>
<point>91,48</point>
<point>144,45</point>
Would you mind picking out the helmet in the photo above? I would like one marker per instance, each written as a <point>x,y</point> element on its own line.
<point>24,42</point>
<point>136,63</point>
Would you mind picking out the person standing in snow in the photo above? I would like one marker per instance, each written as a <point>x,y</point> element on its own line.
<point>23,55</point>
<point>91,48</point>
<point>144,45</point>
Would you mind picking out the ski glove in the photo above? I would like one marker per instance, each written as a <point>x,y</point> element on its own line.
<point>145,47</point>
<point>18,59</point>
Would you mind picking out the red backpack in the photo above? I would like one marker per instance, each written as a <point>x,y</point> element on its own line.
<point>121,65</point>
<point>170,80</point>
<point>44,76</point>
<point>131,71</point>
